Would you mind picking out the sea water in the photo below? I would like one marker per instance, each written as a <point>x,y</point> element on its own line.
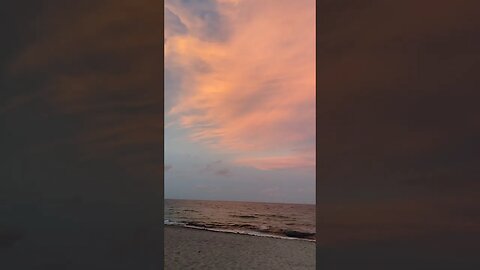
<point>290,221</point>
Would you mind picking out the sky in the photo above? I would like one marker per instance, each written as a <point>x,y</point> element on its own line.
<point>240,100</point>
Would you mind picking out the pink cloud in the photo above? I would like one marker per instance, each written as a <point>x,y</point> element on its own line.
<point>257,96</point>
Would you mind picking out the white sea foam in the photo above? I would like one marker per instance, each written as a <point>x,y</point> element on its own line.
<point>242,232</point>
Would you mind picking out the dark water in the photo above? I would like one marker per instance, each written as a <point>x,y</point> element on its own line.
<point>295,221</point>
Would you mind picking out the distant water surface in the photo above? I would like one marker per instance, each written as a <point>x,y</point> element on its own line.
<point>294,221</point>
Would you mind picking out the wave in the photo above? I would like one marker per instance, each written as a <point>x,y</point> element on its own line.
<point>246,229</point>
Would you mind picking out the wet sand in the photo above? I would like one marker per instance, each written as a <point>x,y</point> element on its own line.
<point>197,249</point>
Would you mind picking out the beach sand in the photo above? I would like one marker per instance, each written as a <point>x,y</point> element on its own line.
<point>197,249</point>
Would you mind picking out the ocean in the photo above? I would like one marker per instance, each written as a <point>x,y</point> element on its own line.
<point>288,221</point>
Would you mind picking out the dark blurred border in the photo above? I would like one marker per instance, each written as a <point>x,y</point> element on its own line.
<point>81,134</point>
<point>397,134</point>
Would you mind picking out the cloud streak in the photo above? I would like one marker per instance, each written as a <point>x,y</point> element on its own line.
<point>249,88</point>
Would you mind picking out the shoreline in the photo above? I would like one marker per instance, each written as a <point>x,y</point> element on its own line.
<point>189,248</point>
<point>240,232</point>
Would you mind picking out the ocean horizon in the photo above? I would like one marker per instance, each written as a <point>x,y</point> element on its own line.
<point>264,219</point>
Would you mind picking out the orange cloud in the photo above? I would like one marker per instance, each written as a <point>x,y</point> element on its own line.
<point>252,92</point>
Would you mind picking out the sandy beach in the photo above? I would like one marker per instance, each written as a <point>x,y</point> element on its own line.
<point>197,249</point>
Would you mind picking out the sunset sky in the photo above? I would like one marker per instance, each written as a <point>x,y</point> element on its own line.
<point>240,100</point>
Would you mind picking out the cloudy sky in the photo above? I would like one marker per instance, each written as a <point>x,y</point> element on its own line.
<point>240,100</point>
